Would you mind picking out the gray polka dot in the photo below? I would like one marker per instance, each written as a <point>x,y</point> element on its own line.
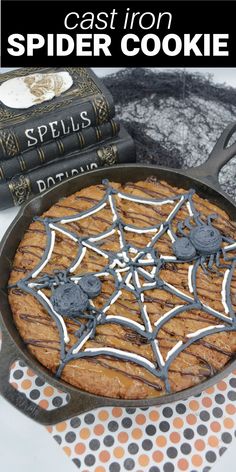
<point>185,448</point>
<point>34,394</point>
<point>147,445</point>
<point>188,433</point>
<point>226,438</point>
<point>58,438</point>
<point>167,412</point>
<point>232,395</point>
<point>113,426</point>
<point>168,467</point>
<point>75,422</point>
<point>164,426</point>
<point>77,462</point>
<point>202,430</point>
<point>18,374</point>
<point>22,364</point>
<point>108,440</point>
<point>70,437</point>
<point>114,467</point>
<point>206,469</point>
<point>130,411</point>
<point>39,382</point>
<point>154,469</point>
<point>94,444</point>
<point>222,450</point>
<point>180,408</point>
<point>217,412</point>
<point>89,460</point>
<point>57,401</point>
<point>232,382</point>
<point>133,448</point>
<point>89,418</point>
<point>204,415</point>
<point>126,422</point>
<point>129,464</point>
<point>219,398</point>
<point>210,456</point>
<point>172,452</point>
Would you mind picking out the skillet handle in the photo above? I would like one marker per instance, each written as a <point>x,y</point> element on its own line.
<point>78,403</point>
<point>219,156</point>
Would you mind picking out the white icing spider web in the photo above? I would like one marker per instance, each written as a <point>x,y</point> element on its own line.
<point>134,270</point>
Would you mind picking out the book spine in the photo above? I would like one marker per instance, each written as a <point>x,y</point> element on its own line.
<point>19,138</point>
<point>22,187</point>
<point>58,148</point>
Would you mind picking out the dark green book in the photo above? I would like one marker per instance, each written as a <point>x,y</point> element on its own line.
<point>38,105</point>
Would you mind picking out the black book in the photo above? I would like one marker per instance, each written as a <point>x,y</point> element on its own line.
<point>114,151</point>
<point>59,148</point>
<point>38,105</point>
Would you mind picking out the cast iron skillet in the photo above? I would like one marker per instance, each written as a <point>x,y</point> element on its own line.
<point>203,178</point>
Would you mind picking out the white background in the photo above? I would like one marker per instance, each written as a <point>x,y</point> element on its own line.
<point>26,446</point>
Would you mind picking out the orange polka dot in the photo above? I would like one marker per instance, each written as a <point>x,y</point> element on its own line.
<point>100,469</point>
<point>231,409</point>
<point>137,433</point>
<point>44,404</point>
<point>200,444</point>
<point>158,456</point>
<point>196,460</point>
<point>116,412</point>
<point>143,460</point>
<point>215,426</point>
<point>80,448</point>
<point>191,419</point>
<point>183,464</point>
<point>99,429</point>
<point>207,402</point>
<point>194,405</point>
<point>26,384</point>
<point>67,450</point>
<point>48,391</point>
<point>154,415</point>
<point>61,426</point>
<point>234,372</point>
<point>118,452</point>
<point>210,390</point>
<point>140,419</point>
<point>14,385</point>
<point>13,366</point>
<point>175,438</point>
<point>103,415</point>
<point>85,433</point>
<point>178,422</point>
<point>30,372</point>
<point>104,456</point>
<point>49,429</point>
<point>222,385</point>
<point>161,441</point>
<point>228,423</point>
<point>123,437</point>
<point>213,441</point>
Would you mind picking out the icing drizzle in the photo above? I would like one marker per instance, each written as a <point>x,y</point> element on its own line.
<point>126,267</point>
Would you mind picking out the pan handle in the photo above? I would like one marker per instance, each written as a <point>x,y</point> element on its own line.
<point>78,403</point>
<point>219,156</point>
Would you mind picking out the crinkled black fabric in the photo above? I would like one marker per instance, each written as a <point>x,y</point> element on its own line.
<point>174,117</point>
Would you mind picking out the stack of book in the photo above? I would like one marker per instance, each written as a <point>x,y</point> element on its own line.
<point>55,124</point>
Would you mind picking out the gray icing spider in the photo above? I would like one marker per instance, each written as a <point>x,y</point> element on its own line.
<point>203,242</point>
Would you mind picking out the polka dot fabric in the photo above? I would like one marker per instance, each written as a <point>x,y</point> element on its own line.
<point>183,436</point>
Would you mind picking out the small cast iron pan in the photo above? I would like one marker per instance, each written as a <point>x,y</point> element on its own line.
<point>205,181</point>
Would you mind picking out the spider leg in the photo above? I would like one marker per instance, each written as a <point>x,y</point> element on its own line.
<point>211,262</point>
<point>180,227</point>
<point>202,260</point>
<point>187,222</point>
<point>228,240</point>
<point>218,263</point>
<point>213,216</point>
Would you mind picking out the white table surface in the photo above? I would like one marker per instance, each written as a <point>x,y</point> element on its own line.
<point>26,446</point>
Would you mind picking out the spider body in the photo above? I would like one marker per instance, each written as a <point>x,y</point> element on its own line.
<point>203,242</point>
